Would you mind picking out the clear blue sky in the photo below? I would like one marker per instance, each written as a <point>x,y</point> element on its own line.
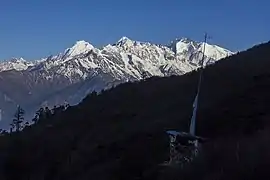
<point>36,28</point>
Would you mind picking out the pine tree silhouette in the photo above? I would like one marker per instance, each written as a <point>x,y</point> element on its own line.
<point>18,119</point>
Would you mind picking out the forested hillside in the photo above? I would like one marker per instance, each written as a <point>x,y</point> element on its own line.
<point>120,133</point>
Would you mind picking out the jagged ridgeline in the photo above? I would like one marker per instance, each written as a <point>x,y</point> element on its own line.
<point>71,75</point>
<point>120,133</point>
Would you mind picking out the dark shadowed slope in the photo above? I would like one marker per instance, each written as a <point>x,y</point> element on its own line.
<point>120,134</point>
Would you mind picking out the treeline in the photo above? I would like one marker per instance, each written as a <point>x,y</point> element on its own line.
<point>19,122</point>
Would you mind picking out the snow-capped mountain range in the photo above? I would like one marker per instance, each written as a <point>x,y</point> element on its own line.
<point>125,57</point>
<point>72,74</point>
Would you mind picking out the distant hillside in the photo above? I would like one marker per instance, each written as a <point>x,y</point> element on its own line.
<point>120,134</point>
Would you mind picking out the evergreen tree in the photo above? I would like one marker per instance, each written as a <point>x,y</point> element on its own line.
<point>48,113</point>
<point>40,114</point>
<point>18,119</point>
<point>58,109</point>
<point>54,109</point>
<point>66,104</point>
<point>35,119</point>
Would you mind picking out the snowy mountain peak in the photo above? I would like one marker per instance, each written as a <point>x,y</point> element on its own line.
<point>17,60</point>
<point>125,41</point>
<point>183,45</point>
<point>80,47</point>
<point>17,64</point>
<point>185,40</point>
<point>182,40</point>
